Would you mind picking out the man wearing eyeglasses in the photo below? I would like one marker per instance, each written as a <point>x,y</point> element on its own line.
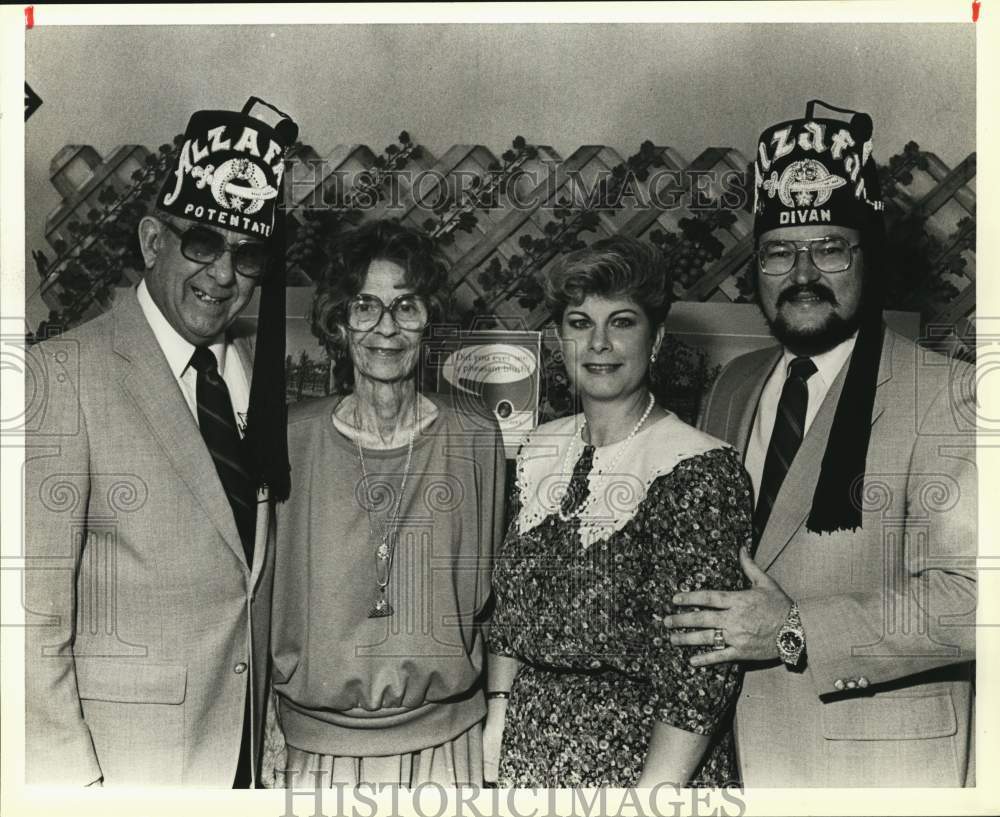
<point>857,635</point>
<point>149,525</point>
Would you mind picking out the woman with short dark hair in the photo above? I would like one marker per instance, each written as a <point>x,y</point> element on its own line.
<point>615,510</point>
<point>384,549</point>
<point>423,269</point>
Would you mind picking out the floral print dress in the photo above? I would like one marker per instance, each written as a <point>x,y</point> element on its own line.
<point>580,602</point>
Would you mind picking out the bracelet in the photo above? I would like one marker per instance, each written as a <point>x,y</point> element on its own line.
<point>497,694</point>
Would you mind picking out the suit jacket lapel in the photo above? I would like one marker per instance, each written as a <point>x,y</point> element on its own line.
<point>149,382</point>
<point>794,500</point>
<point>884,374</point>
<point>243,346</point>
<point>744,399</point>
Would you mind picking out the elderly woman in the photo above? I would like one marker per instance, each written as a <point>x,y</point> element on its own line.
<point>615,510</point>
<point>384,551</point>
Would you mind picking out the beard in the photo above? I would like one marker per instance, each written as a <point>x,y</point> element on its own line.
<point>820,338</point>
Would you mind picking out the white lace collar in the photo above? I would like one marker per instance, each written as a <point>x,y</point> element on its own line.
<point>653,452</point>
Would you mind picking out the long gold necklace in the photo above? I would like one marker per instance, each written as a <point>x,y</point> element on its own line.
<point>386,548</point>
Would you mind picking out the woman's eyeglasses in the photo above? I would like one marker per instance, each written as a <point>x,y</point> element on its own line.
<point>409,311</point>
<point>204,246</point>
<point>828,254</point>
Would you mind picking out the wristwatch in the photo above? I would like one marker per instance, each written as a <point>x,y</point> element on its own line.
<point>791,638</point>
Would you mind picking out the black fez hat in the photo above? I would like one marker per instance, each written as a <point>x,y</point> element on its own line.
<point>816,171</point>
<point>821,171</point>
<point>229,174</point>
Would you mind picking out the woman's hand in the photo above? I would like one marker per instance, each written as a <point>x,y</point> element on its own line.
<point>496,715</point>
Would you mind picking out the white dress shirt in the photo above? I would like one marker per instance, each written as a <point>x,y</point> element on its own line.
<point>178,353</point>
<point>828,366</point>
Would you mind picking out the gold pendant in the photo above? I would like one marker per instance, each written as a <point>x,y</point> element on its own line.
<point>381,609</point>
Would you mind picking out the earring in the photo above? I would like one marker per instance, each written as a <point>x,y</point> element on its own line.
<point>652,356</point>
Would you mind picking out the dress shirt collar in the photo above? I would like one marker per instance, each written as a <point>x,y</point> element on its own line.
<point>176,350</point>
<point>828,363</point>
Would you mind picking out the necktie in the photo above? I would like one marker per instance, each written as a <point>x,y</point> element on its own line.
<point>218,428</point>
<point>785,439</point>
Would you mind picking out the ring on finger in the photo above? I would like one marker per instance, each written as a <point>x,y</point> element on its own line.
<point>718,639</point>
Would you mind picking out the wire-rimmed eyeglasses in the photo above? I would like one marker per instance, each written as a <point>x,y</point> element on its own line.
<point>828,254</point>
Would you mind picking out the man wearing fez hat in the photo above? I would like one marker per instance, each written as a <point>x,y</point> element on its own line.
<point>857,634</point>
<point>160,449</point>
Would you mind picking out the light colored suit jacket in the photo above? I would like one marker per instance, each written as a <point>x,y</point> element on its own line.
<point>144,620</point>
<point>886,695</point>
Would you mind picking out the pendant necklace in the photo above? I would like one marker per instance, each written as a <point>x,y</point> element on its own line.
<point>566,517</point>
<point>386,547</point>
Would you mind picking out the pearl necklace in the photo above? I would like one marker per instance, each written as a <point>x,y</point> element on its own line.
<point>566,517</point>
<point>385,550</point>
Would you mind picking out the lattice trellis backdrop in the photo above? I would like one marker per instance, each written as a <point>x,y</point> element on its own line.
<point>497,253</point>
<point>502,221</point>
<point>520,236</point>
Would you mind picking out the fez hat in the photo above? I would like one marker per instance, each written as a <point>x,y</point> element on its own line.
<point>815,171</point>
<point>228,174</point>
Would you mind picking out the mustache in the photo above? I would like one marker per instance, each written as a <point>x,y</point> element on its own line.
<point>817,290</point>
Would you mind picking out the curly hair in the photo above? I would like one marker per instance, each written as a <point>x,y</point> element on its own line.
<point>351,253</point>
<point>619,266</point>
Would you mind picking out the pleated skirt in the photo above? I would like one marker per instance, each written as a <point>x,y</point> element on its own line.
<point>457,762</point>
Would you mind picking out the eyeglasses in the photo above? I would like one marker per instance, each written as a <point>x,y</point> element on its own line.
<point>204,246</point>
<point>828,254</point>
<point>409,311</point>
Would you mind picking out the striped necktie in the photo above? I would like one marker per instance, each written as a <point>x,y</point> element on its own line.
<point>218,428</point>
<point>786,438</point>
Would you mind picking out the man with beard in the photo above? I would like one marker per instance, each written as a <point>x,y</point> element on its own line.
<point>857,635</point>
